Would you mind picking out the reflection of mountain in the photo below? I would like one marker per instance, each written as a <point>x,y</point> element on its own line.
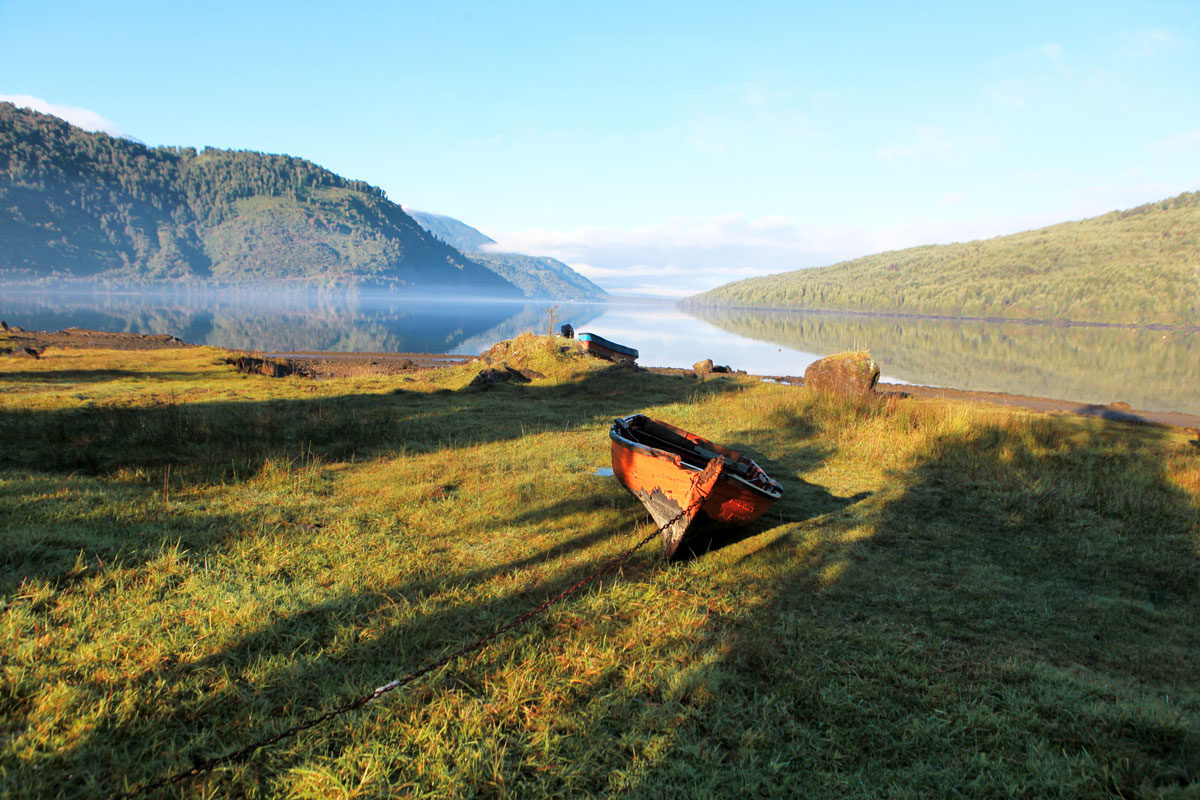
<point>1150,369</point>
<point>291,322</point>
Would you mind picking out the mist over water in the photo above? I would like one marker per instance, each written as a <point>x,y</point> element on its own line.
<point>1150,369</point>
<point>282,321</point>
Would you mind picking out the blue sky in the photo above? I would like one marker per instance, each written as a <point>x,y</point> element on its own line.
<point>661,149</point>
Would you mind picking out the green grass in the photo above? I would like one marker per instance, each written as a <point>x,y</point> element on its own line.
<point>949,600</point>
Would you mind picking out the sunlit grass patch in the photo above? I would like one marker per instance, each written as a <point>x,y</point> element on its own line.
<point>948,599</point>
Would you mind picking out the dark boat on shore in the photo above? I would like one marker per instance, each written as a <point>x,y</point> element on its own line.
<point>680,476</point>
<point>603,348</point>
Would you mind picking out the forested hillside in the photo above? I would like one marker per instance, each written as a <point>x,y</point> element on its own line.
<point>538,276</point>
<point>87,206</point>
<point>1135,266</point>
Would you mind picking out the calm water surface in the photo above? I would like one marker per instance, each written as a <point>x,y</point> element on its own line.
<point>1149,369</point>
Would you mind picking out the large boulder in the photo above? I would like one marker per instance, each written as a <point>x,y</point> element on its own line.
<point>851,374</point>
<point>703,367</point>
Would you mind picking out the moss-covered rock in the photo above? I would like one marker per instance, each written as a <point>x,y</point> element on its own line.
<point>853,373</point>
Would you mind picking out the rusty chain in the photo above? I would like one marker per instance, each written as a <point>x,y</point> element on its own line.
<point>362,700</point>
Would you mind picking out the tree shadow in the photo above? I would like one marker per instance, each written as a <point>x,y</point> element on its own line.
<point>93,375</point>
<point>1013,621</point>
<point>216,440</point>
<point>801,501</point>
<point>138,452</point>
<point>48,533</point>
<point>283,672</point>
<point>110,449</point>
<point>1002,619</point>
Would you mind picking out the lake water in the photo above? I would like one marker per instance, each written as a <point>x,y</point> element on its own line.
<point>1149,369</point>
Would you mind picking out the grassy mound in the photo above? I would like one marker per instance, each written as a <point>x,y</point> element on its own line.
<point>555,359</point>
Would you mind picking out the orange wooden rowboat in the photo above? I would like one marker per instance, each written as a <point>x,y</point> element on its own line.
<point>670,470</point>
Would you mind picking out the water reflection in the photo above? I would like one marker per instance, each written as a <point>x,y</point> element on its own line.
<point>1155,370</point>
<point>1149,369</point>
<point>292,322</point>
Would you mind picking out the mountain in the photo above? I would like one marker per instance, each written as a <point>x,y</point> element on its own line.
<point>87,206</point>
<point>1136,266</point>
<point>537,276</point>
<point>458,235</point>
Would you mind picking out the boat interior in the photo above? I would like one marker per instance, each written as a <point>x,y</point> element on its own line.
<point>646,431</point>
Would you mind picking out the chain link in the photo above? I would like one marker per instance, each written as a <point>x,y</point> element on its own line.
<point>362,700</point>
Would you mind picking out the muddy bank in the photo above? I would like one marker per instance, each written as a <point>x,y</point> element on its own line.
<point>16,336</point>
<point>349,365</point>
<point>316,365</point>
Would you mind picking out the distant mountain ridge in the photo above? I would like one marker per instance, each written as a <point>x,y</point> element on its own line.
<point>538,276</point>
<point>453,232</point>
<point>78,206</point>
<point>1139,266</point>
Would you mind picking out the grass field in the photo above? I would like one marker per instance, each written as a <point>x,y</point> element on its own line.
<point>950,600</point>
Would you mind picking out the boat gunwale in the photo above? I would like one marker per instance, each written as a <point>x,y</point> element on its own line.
<point>659,452</point>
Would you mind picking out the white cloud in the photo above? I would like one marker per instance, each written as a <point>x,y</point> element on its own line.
<point>1147,43</point>
<point>1179,143</point>
<point>927,143</point>
<point>1052,51</point>
<point>730,117</point>
<point>80,117</point>
<point>1029,75</point>
<point>685,256</point>
<point>1010,93</point>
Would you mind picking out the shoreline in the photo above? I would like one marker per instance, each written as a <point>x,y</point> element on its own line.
<point>353,364</point>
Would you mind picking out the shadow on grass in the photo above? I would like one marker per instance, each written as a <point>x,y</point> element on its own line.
<point>1023,619</point>
<point>202,708</point>
<point>62,533</point>
<point>801,501</point>
<point>93,376</point>
<point>320,657</point>
<point>1005,619</point>
<point>141,452</point>
<point>213,441</point>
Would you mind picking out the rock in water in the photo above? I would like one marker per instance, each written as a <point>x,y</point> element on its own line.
<point>853,374</point>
